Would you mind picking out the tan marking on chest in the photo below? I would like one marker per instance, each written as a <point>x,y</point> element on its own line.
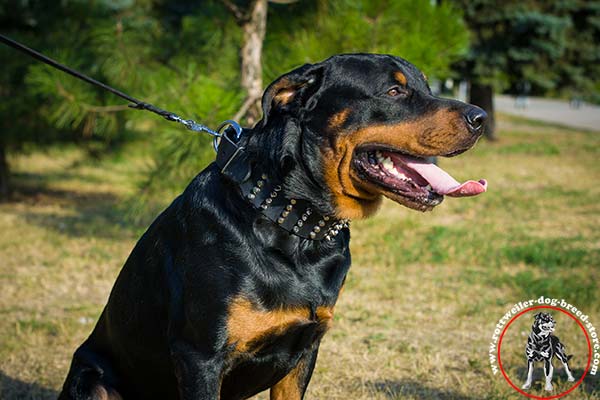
<point>247,324</point>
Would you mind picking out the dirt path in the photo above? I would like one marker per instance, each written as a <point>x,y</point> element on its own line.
<point>587,116</point>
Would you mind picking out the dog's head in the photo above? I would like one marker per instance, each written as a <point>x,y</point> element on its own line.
<point>543,324</point>
<point>356,127</point>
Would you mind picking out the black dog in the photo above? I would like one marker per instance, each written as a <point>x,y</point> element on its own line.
<point>542,345</point>
<point>232,287</point>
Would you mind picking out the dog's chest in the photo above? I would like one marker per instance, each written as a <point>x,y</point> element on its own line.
<point>540,345</point>
<point>252,330</point>
<point>267,344</point>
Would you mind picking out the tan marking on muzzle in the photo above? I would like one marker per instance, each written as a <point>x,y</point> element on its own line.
<point>436,134</point>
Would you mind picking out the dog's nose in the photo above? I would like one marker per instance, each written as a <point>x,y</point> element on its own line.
<point>475,118</point>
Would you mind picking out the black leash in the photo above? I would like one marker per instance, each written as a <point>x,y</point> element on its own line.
<point>295,216</point>
<point>136,104</point>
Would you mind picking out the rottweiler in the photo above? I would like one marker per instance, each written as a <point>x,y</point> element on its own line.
<point>542,345</point>
<point>231,289</point>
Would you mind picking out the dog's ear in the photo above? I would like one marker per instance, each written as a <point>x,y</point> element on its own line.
<point>537,316</point>
<point>297,90</point>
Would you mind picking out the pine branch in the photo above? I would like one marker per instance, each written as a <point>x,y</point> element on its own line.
<point>249,102</point>
<point>240,16</point>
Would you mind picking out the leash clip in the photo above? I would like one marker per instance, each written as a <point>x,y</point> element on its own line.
<point>222,132</point>
<point>228,151</point>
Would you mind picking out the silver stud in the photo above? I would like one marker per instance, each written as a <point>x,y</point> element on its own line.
<point>326,218</point>
<point>251,196</point>
<point>327,237</point>
<point>312,235</point>
<point>321,223</point>
<point>285,214</point>
<point>280,220</point>
<point>292,201</point>
<point>264,176</point>
<point>335,232</point>
<point>289,207</point>
<point>260,183</point>
<point>296,229</point>
<point>304,217</point>
<point>300,223</point>
<point>255,190</point>
<point>317,229</point>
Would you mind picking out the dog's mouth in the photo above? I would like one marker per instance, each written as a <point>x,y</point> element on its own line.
<point>409,180</point>
<point>547,328</point>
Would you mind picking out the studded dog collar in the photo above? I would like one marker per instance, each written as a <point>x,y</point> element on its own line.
<point>296,216</point>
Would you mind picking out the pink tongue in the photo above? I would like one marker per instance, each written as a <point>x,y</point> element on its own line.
<point>441,182</point>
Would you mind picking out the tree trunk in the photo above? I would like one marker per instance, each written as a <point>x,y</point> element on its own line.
<point>254,28</point>
<point>4,174</point>
<point>483,96</point>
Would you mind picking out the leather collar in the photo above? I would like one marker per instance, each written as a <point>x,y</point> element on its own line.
<point>296,216</point>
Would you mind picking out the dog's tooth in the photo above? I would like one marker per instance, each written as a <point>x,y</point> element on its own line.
<point>388,164</point>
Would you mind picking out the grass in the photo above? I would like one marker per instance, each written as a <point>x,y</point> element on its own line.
<point>421,300</point>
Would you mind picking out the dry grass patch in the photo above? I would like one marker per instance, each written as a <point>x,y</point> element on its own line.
<point>421,300</point>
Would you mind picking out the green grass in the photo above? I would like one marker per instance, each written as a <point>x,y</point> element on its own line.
<point>422,297</point>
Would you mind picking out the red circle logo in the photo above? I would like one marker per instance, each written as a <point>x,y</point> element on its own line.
<point>587,368</point>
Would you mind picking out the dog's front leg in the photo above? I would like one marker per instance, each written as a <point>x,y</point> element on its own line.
<point>527,383</point>
<point>293,385</point>
<point>570,376</point>
<point>198,375</point>
<point>548,371</point>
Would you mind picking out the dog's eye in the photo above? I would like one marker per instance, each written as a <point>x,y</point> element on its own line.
<point>397,91</point>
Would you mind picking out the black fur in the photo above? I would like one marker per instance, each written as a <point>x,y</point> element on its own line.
<point>163,333</point>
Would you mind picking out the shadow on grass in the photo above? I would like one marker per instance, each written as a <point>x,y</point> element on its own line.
<point>79,214</point>
<point>397,389</point>
<point>590,385</point>
<point>16,389</point>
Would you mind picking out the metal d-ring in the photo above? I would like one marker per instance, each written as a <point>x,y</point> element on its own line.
<point>221,132</point>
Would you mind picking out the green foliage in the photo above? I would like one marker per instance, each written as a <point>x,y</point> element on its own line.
<point>404,28</point>
<point>555,46</point>
<point>184,57</point>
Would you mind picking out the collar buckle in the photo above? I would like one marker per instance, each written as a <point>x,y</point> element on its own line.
<point>228,151</point>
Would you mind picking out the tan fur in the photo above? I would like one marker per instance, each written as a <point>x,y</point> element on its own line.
<point>247,324</point>
<point>337,120</point>
<point>102,393</point>
<point>289,387</point>
<point>400,78</point>
<point>436,134</point>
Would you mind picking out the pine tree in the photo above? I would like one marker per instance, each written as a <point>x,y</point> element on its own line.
<point>553,46</point>
<point>187,56</point>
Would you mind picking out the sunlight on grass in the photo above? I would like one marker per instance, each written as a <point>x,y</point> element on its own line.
<point>422,297</point>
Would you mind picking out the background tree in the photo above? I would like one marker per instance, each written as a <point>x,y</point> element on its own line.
<point>25,116</point>
<point>191,57</point>
<point>551,46</point>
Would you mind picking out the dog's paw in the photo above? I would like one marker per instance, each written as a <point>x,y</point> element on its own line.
<point>548,387</point>
<point>526,386</point>
<point>571,379</point>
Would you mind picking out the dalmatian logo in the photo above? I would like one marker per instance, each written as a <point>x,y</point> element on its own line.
<point>542,345</point>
